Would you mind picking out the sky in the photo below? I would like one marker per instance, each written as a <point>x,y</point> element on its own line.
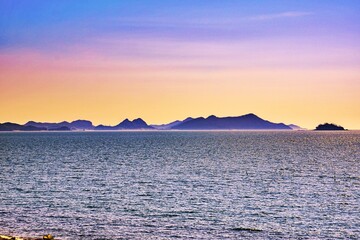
<point>285,61</point>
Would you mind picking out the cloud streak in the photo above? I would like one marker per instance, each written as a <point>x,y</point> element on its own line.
<point>290,14</point>
<point>205,21</point>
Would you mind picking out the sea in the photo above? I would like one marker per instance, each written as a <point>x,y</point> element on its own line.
<point>181,185</point>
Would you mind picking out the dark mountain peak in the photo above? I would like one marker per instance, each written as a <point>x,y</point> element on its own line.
<point>33,123</point>
<point>126,120</point>
<point>250,115</point>
<point>139,121</point>
<point>140,124</point>
<point>135,124</point>
<point>211,117</point>
<point>187,119</point>
<point>124,124</point>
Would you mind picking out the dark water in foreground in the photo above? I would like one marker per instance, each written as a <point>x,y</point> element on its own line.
<point>181,185</point>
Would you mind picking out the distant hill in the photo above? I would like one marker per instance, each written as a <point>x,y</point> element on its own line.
<point>136,124</point>
<point>329,127</point>
<point>171,125</point>
<point>45,125</point>
<point>245,122</point>
<point>75,125</point>
<point>82,125</point>
<point>17,127</point>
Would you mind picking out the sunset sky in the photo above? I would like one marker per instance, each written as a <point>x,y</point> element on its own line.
<point>286,61</point>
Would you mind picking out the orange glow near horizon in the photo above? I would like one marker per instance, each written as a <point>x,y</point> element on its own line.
<point>106,91</point>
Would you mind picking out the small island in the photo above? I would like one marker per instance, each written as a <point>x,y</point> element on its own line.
<point>329,127</point>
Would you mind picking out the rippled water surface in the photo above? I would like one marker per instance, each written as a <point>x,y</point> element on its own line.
<point>181,185</point>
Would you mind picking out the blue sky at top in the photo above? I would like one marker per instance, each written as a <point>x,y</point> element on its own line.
<point>51,24</point>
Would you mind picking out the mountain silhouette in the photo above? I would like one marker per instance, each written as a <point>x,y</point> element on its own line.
<point>126,125</point>
<point>75,125</point>
<point>82,125</point>
<point>248,121</point>
<point>17,127</point>
<point>46,125</point>
<point>135,124</point>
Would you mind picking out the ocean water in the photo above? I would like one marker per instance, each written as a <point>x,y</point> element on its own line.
<point>181,185</point>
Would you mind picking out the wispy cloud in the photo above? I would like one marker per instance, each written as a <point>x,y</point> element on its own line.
<point>205,21</point>
<point>291,14</point>
<point>221,23</point>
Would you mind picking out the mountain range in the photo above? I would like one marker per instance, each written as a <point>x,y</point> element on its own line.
<point>245,122</point>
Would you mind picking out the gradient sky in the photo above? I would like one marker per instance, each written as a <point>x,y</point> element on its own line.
<point>286,61</point>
